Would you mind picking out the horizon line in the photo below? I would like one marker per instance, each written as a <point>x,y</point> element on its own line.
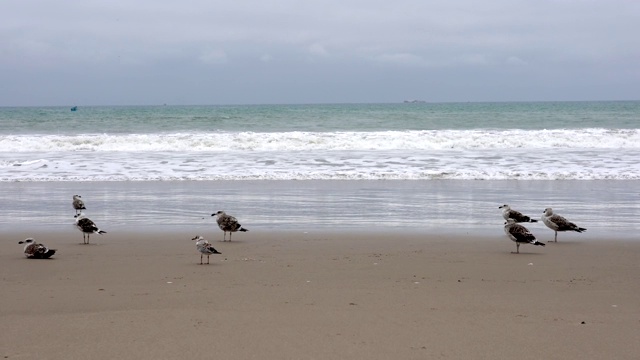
<point>401,102</point>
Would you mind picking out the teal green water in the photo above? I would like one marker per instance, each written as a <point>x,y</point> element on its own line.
<point>421,141</point>
<point>327,117</point>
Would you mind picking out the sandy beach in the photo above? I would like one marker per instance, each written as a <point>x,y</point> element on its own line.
<point>319,295</point>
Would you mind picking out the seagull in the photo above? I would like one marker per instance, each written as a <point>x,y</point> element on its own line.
<point>228,223</point>
<point>33,250</point>
<point>508,213</point>
<point>204,248</point>
<point>557,223</point>
<point>520,235</point>
<point>78,204</point>
<point>87,227</point>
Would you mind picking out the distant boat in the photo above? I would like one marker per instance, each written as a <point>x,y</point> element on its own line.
<point>74,108</point>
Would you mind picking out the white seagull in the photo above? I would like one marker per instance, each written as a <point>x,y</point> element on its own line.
<point>204,248</point>
<point>557,223</point>
<point>228,223</point>
<point>508,213</point>
<point>520,235</point>
<point>78,204</point>
<point>87,227</point>
<point>33,250</point>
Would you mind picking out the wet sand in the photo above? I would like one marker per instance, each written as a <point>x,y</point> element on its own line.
<point>319,295</point>
<point>426,206</point>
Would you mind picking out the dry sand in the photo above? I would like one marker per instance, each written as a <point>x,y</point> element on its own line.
<point>323,295</point>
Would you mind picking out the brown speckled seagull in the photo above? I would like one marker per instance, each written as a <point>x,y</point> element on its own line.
<point>557,223</point>
<point>520,235</point>
<point>78,204</point>
<point>509,213</point>
<point>34,250</point>
<point>228,223</point>
<point>205,248</point>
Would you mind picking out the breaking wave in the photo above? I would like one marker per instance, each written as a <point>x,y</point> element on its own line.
<point>312,141</point>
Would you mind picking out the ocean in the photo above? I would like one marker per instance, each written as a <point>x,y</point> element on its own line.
<point>470,141</point>
<point>420,165</point>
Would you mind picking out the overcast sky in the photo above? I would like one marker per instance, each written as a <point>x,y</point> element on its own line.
<point>143,52</point>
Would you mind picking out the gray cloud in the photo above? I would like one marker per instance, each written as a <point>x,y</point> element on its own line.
<point>204,52</point>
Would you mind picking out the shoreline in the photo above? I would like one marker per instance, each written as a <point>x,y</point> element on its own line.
<point>433,207</point>
<point>326,294</point>
<point>212,232</point>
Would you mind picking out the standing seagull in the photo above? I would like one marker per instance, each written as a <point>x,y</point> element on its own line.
<point>87,227</point>
<point>228,223</point>
<point>78,204</point>
<point>33,250</point>
<point>558,223</point>
<point>519,234</point>
<point>508,213</point>
<point>204,248</point>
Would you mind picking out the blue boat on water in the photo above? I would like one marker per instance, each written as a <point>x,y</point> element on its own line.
<point>74,108</point>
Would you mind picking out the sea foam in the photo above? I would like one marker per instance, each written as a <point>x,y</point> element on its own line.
<point>522,164</point>
<point>306,141</point>
<point>587,154</point>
